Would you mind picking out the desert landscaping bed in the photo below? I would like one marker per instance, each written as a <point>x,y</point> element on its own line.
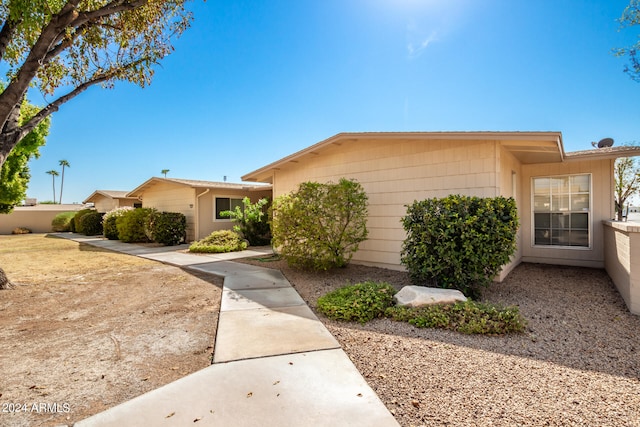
<point>92,328</point>
<point>578,364</point>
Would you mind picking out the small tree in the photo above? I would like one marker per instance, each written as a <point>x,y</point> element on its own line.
<point>64,47</point>
<point>14,173</point>
<point>459,242</point>
<point>626,181</point>
<point>320,226</point>
<point>631,17</point>
<point>251,221</point>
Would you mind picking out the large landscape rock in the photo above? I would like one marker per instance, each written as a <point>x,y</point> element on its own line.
<point>416,296</point>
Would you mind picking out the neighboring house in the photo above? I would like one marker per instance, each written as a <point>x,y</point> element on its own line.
<point>106,200</point>
<point>200,201</point>
<point>562,198</point>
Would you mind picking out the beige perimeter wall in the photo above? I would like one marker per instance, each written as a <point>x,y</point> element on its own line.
<point>395,174</point>
<point>622,260</point>
<point>36,218</point>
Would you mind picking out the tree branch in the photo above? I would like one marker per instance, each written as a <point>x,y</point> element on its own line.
<point>6,34</point>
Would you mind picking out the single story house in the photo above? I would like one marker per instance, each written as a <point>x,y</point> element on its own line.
<point>107,200</point>
<point>200,201</point>
<point>562,198</point>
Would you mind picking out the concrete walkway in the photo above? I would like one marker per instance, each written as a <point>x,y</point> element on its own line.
<point>274,362</point>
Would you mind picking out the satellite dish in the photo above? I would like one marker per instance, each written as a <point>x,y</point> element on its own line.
<point>605,142</point>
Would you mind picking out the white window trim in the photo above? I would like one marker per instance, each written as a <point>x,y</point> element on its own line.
<point>590,225</point>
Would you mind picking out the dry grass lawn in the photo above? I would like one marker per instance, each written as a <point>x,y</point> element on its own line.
<point>86,329</point>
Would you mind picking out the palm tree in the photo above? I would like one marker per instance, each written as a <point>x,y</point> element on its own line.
<point>53,174</point>
<point>165,172</point>
<point>64,164</point>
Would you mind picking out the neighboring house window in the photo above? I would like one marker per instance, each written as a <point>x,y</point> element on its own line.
<point>561,210</point>
<point>137,205</point>
<point>226,204</point>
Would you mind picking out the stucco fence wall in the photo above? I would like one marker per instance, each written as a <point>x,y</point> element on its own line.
<point>622,260</point>
<point>36,218</point>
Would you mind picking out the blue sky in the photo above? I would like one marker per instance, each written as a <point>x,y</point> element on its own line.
<point>253,81</point>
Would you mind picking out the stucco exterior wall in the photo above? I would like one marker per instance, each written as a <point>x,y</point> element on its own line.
<point>395,174</point>
<point>169,197</point>
<point>622,260</point>
<point>601,209</point>
<point>207,223</point>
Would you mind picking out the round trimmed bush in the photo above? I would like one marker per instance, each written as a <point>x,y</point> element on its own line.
<point>168,228</point>
<point>109,228</point>
<point>77,226</point>
<point>62,221</point>
<point>91,223</point>
<point>131,225</point>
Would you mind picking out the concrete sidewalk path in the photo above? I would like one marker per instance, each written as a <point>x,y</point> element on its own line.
<point>274,362</point>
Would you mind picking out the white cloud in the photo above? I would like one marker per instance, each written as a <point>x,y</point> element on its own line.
<point>417,47</point>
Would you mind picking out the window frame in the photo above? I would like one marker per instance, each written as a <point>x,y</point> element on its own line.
<point>569,212</point>
<point>231,205</point>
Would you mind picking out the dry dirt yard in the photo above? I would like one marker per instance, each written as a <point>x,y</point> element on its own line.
<point>86,329</point>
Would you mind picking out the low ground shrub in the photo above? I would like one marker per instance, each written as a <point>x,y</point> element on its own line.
<point>62,221</point>
<point>366,301</point>
<point>131,225</point>
<point>219,242</point>
<point>360,302</point>
<point>467,317</point>
<point>91,223</point>
<point>168,228</point>
<point>109,228</point>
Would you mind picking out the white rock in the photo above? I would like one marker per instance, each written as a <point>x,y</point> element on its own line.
<point>416,296</point>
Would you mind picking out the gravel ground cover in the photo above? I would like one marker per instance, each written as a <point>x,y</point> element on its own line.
<point>578,363</point>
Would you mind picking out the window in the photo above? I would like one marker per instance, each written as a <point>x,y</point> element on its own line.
<point>561,209</point>
<point>226,204</point>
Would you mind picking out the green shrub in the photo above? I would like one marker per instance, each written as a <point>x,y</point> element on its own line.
<point>320,226</point>
<point>131,225</point>
<point>459,242</point>
<point>168,228</point>
<point>251,221</point>
<point>219,242</point>
<point>466,317</point>
<point>77,226</point>
<point>360,302</point>
<point>109,228</point>
<point>91,223</point>
<point>62,221</point>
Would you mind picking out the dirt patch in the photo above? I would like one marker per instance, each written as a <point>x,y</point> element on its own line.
<point>86,329</point>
